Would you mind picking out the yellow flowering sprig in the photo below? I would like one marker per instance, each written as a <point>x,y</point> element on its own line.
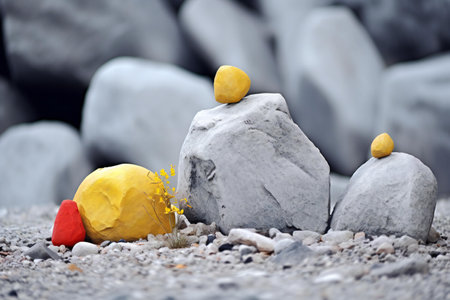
<point>166,195</point>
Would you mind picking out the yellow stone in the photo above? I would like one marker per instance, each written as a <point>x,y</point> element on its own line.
<point>123,202</point>
<point>231,84</point>
<point>382,146</point>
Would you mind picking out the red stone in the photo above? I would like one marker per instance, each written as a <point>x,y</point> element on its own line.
<point>68,228</point>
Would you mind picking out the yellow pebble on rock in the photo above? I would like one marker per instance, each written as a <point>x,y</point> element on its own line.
<point>123,202</point>
<point>231,84</point>
<point>382,146</point>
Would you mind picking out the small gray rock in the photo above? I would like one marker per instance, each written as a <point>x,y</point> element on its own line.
<point>381,240</point>
<point>41,251</point>
<point>404,242</point>
<point>245,250</point>
<point>408,266</point>
<point>282,245</point>
<point>385,248</point>
<point>248,165</point>
<point>273,232</point>
<point>301,235</point>
<point>337,237</point>
<point>85,248</point>
<point>433,235</point>
<point>392,195</point>
<point>292,255</point>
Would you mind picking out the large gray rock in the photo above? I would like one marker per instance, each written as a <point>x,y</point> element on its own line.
<point>341,70</point>
<point>50,41</point>
<point>415,109</point>
<point>40,163</point>
<point>405,29</point>
<point>285,19</point>
<point>13,107</point>
<point>139,111</point>
<point>249,165</point>
<point>393,195</point>
<point>225,33</point>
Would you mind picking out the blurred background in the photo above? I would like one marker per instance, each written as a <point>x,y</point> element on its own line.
<point>86,84</point>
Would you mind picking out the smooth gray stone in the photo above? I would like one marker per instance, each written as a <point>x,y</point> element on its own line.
<point>225,33</point>
<point>338,87</point>
<point>408,266</point>
<point>42,162</point>
<point>392,195</point>
<point>139,111</point>
<point>414,109</point>
<point>248,165</point>
<point>292,255</point>
<point>52,41</point>
<point>41,251</point>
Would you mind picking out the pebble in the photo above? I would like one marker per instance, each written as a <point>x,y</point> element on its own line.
<point>292,255</point>
<point>301,235</point>
<point>273,232</point>
<point>408,266</point>
<point>282,244</point>
<point>105,243</point>
<point>382,146</point>
<point>41,251</point>
<point>226,246</point>
<point>380,240</point>
<point>385,248</point>
<point>211,238</point>
<point>243,236</point>
<point>360,236</point>
<point>433,235</point>
<point>84,248</point>
<point>337,236</point>
<point>245,250</point>
<point>231,84</point>
<point>404,242</point>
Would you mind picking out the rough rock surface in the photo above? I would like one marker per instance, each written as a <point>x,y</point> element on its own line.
<point>139,111</point>
<point>415,110</point>
<point>41,36</point>
<point>225,33</point>
<point>249,165</point>
<point>338,86</point>
<point>43,162</point>
<point>393,195</point>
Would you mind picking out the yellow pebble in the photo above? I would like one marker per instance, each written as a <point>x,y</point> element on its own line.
<point>123,202</point>
<point>382,146</point>
<point>231,84</point>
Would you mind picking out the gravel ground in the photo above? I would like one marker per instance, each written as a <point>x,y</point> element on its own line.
<point>144,270</point>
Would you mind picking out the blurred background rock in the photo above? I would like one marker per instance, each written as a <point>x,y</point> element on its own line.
<point>349,70</point>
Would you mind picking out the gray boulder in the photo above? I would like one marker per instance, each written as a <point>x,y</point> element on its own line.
<point>13,107</point>
<point>50,41</point>
<point>341,69</point>
<point>139,111</point>
<point>415,109</point>
<point>404,29</point>
<point>249,165</point>
<point>42,162</point>
<point>393,195</point>
<point>225,33</point>
<point>286,19</point>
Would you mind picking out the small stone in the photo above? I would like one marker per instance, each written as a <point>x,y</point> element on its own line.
<point>405,267</point>
<point>443,257</point>
<point>226,246</point>
<point>292,255</point>
<point>211,238</point>
<point>243,236</point>
<point>202,240</point>
<point>84,248</point>
<point>359,236</point>
<point>380,240</point>
<point>283,236</point>
<point>301,235</point>
<point>405,242</point>
<point>68,228</point>
<point>245,250</point>
<point>183,222</point>
<point>190,230</point>
<point>248,259</point>
<point>105,243</point>
<point>310,240</point>
<point>385,248</point>
<point>273,232</point>
<point>212,249</point>
<point>41,251</point>
<point>282,244</point>
<point>203,229</point>
<point>53,248</point>
<point>433,235</point>
<point>337,236</point>
<point>321,250</point>
<point>231,84</point>
<point>382,146</point>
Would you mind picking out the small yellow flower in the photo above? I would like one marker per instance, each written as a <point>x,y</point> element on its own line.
<point>172,170</point>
